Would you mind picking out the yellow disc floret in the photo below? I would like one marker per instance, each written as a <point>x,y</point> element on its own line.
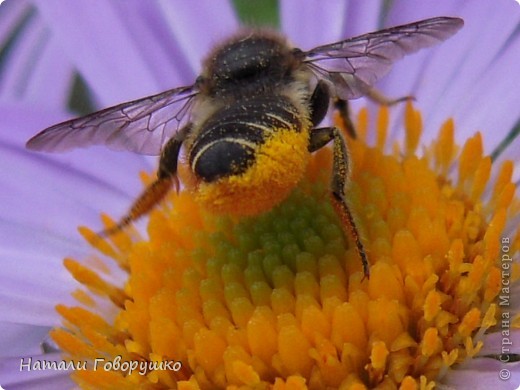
<point>278,301</point>
<point>279,165</point>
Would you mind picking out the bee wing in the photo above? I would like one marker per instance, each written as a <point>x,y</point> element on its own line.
<point>355,64</point>
<point>141,126</point>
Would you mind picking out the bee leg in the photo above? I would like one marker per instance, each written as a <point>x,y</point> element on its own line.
<point>378,97</point>
<point>342,107</point>
<point>319,102</point>
<point>157,190</point>
<point>340,175</point>
<point>152,195</point>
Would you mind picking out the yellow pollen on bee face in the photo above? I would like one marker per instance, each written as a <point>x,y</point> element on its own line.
<point>279,165</point>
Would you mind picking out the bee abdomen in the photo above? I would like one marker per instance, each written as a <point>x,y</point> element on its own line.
<point>227,142</point>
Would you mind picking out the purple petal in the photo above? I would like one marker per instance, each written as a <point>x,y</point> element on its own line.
<point>10,17</point>
<point>484,373</point>
<point>197,26</point>
<point>495,342</point>
<point>402,11</point>
<point>511,153</point>
<point>13,379</point>
<point>71,186</point>
<point>310,23</point>
<point>66,197</point>
<point>21,339</point>
<point>361,17</point>
<point>33,69</point>
<point>496,95</point>
<point>460,78</point>
<point>449,80</point>
<point>45,283</point>
<point>131,50</point>
<point>98,41</point>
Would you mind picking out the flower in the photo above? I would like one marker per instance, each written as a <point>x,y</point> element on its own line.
<point>448,292</point>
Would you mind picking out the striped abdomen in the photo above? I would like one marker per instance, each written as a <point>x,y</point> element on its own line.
<point>228,140</point>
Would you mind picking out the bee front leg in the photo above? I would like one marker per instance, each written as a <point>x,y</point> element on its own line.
<point>340,176</point>
<point>157,190</point>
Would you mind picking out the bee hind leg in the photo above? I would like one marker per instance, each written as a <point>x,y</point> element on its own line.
<point>151,196</point>
<point>340,176</point>
<point>157,190</point>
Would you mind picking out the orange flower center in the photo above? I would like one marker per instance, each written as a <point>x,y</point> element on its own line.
<point>279,300</point>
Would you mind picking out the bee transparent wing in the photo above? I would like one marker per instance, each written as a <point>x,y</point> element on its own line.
<point>141,126</point>
<point>355,64</point>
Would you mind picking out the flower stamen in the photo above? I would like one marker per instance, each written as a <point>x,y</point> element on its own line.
<point>279,300</point>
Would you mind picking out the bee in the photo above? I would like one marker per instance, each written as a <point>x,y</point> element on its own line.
<point>250,121</point>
